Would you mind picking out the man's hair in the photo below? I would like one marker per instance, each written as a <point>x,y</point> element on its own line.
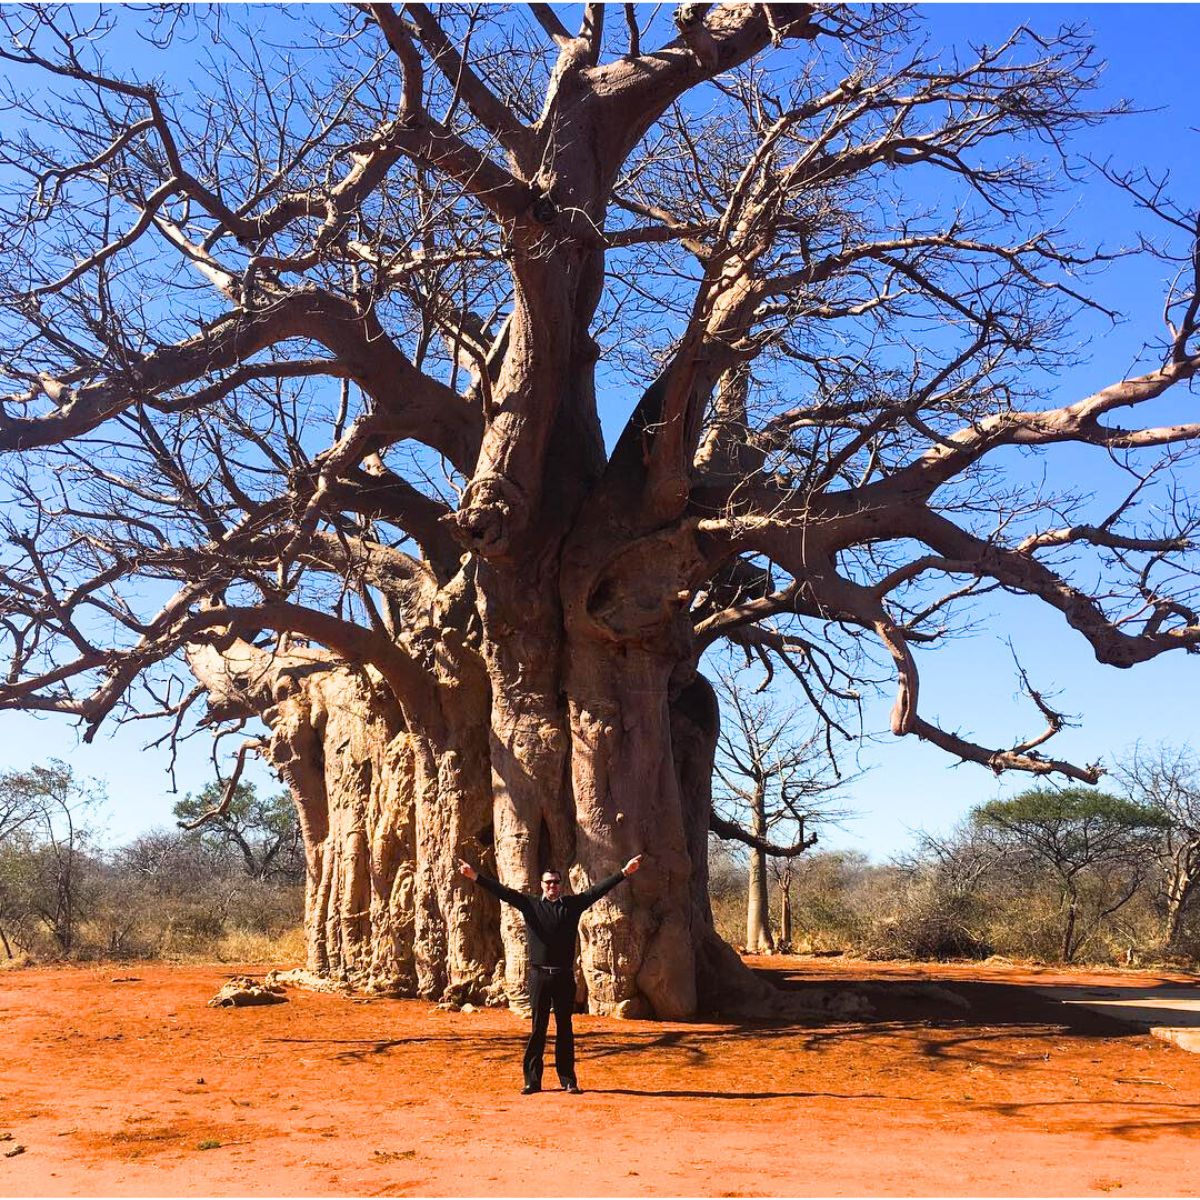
<point>551,871</point>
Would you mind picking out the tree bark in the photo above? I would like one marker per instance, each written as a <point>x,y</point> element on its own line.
<point>527,744</point>
<point>637,944</point>
<point>388,813</point>
<point>385,811</point>
<point>758,909</point>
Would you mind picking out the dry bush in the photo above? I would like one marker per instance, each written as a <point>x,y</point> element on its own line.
<point>175,897</point>
<point>1025,922</point>
<point>727,889</point>
<point>922,919</point>
<point>930,908</point>
<point>286,946</point>
<point>831,896</point>
<point>164,896</point>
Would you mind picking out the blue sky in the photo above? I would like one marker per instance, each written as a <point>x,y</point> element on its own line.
<point>970,685</point>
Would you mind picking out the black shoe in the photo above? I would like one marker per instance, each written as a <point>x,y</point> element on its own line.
<point>530,1088</point>
<point>573,1088</point>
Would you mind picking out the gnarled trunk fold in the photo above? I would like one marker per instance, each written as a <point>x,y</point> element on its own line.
<point>385,811</point>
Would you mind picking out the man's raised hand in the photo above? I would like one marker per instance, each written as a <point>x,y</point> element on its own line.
<point>632,865</point>
<point>466,869</point>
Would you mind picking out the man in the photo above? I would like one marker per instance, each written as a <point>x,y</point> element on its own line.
<point>551,925</point>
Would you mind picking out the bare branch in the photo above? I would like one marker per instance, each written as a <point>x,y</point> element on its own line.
<point>252,745</point>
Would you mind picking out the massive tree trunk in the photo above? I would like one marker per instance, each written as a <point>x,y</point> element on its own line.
<point>385,810</point>
<point>638,952</point>
<point>386,807</point>
<point>534,826</point>
<point>519,603</point>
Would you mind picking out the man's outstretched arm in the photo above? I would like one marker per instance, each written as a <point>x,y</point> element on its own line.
<point>605,886</point>
<point>517,899</point>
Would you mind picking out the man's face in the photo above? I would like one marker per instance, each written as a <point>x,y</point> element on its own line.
<point>551,886</point>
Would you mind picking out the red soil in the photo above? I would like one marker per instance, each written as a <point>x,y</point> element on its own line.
<point>113,1087</point>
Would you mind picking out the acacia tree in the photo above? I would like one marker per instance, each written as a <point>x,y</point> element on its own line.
<point>306,353</point>
<point>1097,848</point>
<point>261,829</point>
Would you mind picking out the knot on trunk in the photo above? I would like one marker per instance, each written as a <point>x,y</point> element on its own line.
<point>641,596</point>
<point>493,511</point>
<point>544,211</point>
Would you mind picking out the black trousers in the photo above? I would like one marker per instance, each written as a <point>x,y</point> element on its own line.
<point>551,990</point>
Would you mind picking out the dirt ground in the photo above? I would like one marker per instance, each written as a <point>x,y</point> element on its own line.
<point>136,1088</point>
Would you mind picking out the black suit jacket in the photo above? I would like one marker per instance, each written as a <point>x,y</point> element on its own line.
<point>552,925</point>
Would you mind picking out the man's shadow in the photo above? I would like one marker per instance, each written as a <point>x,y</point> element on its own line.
<point>687,1093</point>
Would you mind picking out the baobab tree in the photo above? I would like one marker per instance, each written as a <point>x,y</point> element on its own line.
<point>772,784</point>
<point>306,354</point>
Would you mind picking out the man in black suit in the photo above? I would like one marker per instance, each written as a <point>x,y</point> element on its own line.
<point>551,926</point>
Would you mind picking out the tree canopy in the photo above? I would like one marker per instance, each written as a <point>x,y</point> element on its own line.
<point>1070,825</point>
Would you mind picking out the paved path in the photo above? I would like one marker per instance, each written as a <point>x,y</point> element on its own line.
<point>1170,1013</point>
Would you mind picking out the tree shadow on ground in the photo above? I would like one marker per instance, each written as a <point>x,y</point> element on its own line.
<point>1008,1048</point>
<point>359,1049</point>
<point>1131,1120</point>
<point>957,1004</point>
<point>1163,1003</point>
<point>1004,1026</point>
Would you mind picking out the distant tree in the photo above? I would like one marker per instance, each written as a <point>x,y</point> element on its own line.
<point>962,860</point>
<point>1167,780</point>
<point>263,830</point>
<point>16,812</point>
<point>771,785</point>
<point>781,872</point>
<point>1096,846</point>
<point>43,850</point>
<point>17,808</point>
